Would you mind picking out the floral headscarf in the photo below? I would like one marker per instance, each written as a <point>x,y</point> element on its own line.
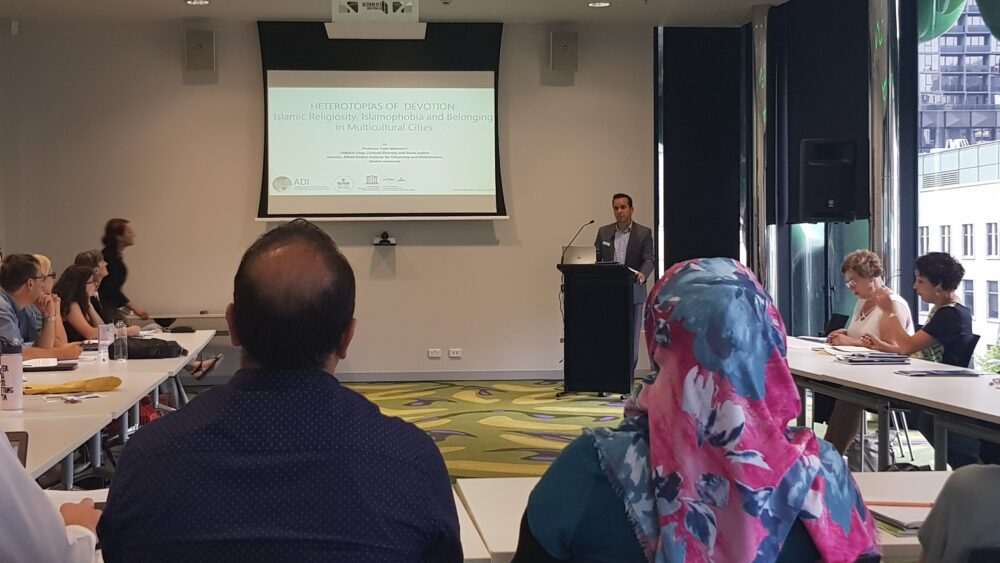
<point>705,461</point>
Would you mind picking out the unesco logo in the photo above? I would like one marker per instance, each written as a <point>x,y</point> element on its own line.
<point>281,183</point>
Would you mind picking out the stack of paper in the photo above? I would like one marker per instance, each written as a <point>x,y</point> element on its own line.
<point>901,521</point>
<point>873,358</point>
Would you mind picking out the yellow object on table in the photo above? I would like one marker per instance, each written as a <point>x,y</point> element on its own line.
<point>94,385</point>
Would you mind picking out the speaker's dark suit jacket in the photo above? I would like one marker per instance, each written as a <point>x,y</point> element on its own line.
<point>639,254</point>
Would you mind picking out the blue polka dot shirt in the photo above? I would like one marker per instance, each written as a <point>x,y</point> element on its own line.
<point>280,466</point>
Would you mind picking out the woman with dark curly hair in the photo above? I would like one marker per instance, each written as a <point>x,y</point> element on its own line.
<point>949,322</point>
<point>948,325</point>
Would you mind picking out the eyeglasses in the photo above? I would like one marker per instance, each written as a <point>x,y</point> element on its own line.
<point>51,276</point>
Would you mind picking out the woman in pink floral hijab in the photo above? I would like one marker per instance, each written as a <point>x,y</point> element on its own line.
<point>705,462</point>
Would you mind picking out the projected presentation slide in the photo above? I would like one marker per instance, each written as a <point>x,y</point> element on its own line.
<point>377,142</point>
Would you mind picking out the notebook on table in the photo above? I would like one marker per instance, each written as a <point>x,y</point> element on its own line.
<point>938,372</point>
<point>902,521</point>
<point>873,358</point>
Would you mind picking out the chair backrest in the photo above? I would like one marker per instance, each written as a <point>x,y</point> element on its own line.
<point>984,555</point>
<point>964,347</point>
<point>875,558</point>
<point>836,322</point>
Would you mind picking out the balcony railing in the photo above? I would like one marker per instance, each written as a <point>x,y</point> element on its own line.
<point>952,48</point>
<point>977,48</point>
<point>959,107</point>
<point>977,68</point>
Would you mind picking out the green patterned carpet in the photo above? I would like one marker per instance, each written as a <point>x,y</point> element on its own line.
<point>494,428</point>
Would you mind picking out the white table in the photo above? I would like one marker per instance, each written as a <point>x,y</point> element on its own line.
<point>911,486</point>
<point>139,379</point>
<point>473,549</point>
<point>496,507</point>
<point>53,439</point>
<point>959,401</point>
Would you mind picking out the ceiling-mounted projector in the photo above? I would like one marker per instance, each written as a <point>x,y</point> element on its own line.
<point>376,19</point>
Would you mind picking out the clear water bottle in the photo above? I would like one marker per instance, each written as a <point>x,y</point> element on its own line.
<point>11,376</point>
<point>121,342</point>
<point>105,339</point>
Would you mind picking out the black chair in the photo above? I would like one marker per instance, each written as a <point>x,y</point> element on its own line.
<point>984,555</point>
<point>869,559</point>
<point>836,322</point>
<point>965,346</point>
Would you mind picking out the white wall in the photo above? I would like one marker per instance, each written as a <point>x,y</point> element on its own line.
<point>102,124</point>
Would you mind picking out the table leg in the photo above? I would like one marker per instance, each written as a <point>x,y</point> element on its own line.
<point>801,421</point>
<point>123,426</point>
<point>95,451</point>
<point>67,472</point>
<point>883,436</point>
<point>940,446</point>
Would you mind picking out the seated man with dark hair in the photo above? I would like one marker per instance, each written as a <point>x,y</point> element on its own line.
<point>283,463</point>
<point>21,285</point>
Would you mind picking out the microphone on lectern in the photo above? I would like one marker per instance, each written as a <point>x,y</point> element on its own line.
<point>562,260</point>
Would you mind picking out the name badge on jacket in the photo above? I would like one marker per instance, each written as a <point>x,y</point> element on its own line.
<point>606,243</point>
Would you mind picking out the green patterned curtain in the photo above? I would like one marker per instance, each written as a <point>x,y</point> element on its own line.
<point>934,17</point>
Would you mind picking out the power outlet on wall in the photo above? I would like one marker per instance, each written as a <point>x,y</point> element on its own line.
<point>454,353</point>
<point>433,352</point>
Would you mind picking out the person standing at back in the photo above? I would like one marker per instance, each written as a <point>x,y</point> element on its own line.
<point>118,235</point>
<point>283,463</point>
<point>631,244</point>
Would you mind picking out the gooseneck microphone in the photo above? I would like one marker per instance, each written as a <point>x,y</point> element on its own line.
<point>562,260</point>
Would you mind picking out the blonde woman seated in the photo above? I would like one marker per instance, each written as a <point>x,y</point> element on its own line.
<point>45,269</point>
<point>863,275</point>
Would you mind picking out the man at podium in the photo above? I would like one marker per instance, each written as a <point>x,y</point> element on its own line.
<point>631,244</point>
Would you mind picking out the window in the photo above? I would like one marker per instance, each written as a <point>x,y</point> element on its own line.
<point>946,238</point>
<point>924,240</point>
<point>993,300</point>
<point>975,40</point>
<point>969,296</point>
<point>968,241</point>
<point>924,306</point>
<point>949,40</point>
<point>974,20</point>
<point>991,295</point>
<point>992,240</point>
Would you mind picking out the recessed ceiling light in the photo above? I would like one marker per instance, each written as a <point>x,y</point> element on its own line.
<point>599,4</point>
<point>196,2</point>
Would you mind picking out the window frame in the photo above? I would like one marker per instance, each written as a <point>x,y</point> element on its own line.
<point>993,300</point>
<point>969,290</point>
<point>968,240</point>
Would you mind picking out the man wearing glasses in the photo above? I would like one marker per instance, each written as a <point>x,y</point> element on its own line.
<point>20,286</point>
